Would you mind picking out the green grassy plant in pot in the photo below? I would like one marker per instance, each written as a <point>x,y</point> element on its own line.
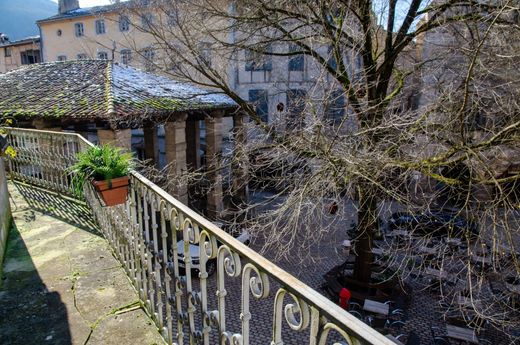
<point>107,168</point>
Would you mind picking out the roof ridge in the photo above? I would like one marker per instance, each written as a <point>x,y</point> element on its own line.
<point>108,89</point>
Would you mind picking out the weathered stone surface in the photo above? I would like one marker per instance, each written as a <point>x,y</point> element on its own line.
<point>5,212</point>
<point>127,328</point>
<point>100,293</point>
<point>61,283</point>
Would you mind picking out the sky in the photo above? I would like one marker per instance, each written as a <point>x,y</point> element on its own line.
<point>90,3</point>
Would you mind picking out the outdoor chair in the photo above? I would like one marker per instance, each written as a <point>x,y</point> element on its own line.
<point>353,306</point>
<point>357,314</point>
<point>412,338</point>
<point>378,323</point>
<point>394,325</point>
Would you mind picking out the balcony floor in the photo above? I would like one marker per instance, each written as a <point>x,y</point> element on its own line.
<point>61,283</point>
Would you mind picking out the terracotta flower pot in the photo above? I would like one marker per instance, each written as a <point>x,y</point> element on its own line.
<point>113,193</point>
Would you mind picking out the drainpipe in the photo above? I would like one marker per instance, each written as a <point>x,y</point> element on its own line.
<point>41,43</point>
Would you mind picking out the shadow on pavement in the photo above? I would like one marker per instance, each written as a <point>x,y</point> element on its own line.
<point>67,210</point>
<point>29,312</point>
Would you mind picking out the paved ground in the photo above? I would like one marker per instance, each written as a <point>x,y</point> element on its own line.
<point>61,284</point>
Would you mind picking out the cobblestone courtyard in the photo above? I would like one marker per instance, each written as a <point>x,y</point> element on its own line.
<point>58,265</point>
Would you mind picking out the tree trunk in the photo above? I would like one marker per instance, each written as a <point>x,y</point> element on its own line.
<point>367,222</point>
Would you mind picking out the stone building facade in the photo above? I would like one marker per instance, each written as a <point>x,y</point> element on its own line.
<point>17,53</point>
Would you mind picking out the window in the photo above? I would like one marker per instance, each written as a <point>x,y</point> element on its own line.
<point>331,59</point>
<point>205,53</point>
<point>81,56</point>
<point>359,63</point>
<point>260,100</point>
<point>100,27</point>
<point>79,30</point>
<point>126,56</point>
<point>335,106</point>
<point>62,58</point>
<point>147,21</point>
<point>172,18</point>
<point>296,62</point>
<point>7,52</point>
<point>259,60</point>
<point>124,23</point>
<point>30,56</point>
<point>102,55</point>
<point>149,56</point>
<point>295,107</point>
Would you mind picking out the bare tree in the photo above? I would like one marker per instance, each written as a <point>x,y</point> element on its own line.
<point>387,151</point>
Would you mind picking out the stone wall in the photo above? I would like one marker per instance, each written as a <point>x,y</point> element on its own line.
<point>5,212</point>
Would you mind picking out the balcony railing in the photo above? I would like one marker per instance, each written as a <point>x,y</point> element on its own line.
<point>249,300</point>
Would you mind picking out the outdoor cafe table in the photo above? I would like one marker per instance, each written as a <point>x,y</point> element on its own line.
<point>376,307</point>
<point>461,333</point>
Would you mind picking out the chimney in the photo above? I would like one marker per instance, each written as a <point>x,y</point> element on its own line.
<point>67,5</point>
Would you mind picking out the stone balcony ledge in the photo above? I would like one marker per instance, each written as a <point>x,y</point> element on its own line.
<point>61,283</point>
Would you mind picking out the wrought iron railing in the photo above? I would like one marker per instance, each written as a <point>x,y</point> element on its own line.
<point>248,300</point>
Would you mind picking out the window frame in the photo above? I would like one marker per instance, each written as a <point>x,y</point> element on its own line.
<point>102,53</point>
<point>81,56</point>
<point>79,29</point>
<point>125,54</point>
<point>256,61</point>
<point>61,58</point>
<point>100,28</point>
<point>147,20</point>
<point>124,23</point>
<point>31,54</point>
<point>335,108</point>
<point>296,62</point>
<point>296,100</point>
<point>149,57</point>
<point>206,53</point>
<point>259,98</point>
<point>172,18</point>
<point>8,52</point>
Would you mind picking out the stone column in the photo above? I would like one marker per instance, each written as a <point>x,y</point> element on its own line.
<point>175,144</point>
<point>119,137</point>
<point>240,164</point>
<point>213,152</point>
<point>151,144</point>
<point>193,144</point>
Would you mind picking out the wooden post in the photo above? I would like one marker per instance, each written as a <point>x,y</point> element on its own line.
<point>175,144</point>
<point>151,144</point>
<point>193,144</point>
<point>213,152</point>
<point>240,189</point>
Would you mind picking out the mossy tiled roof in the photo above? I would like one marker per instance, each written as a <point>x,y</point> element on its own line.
<point>99,90</point>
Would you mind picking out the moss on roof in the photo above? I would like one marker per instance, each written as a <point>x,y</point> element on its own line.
<point>99,89</point>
